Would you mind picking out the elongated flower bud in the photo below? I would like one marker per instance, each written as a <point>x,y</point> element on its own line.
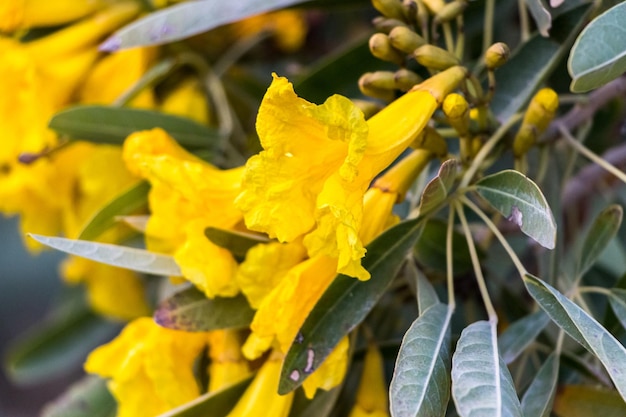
<point>434,6</point>
<point>399,178</point>
<point>431,141</point>
<point>450,11</point>
<point>538,116</point>
<point>389,8</point>
<point>434,57</point>
<point>456,109</point>
<point>378,85</point>
<point>381,48</point>
<point>406,79</point>
<point>371,396</point>
<point>385,24</point>
<point>497,55</point>
<point>404,39</point>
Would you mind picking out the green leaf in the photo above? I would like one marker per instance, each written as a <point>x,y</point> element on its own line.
<point>58,344</point>
<point>105,124</point>
<point>437,190</point>
<point>190,310</point>
<point>421,379</point>
<point>129,201</point>
<point>602,231</point>
<point>138,260</point>
<point>426,294</point>
<point>541,15</point>
<point>430,249</point>
<point>187,19</point>
<point>582,328</point>
<point>617,300</point>
<point>320,406</point>
<point>533,63</point>
<point>538,399</point>
<point>89,397</point>
<point>212,404</point>
<point>588,401</point>
<point>521,334</point>
<point>345,303</point>
<point>599,53</point>
<point>520,200</point>
<point>481,382</point>
<point>238,243</point>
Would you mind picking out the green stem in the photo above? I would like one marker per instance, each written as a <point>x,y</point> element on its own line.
<point>592,289</point>
<point>447,34</point>
<point>151,77</point>
<point>494,229</point>
<point>590,155</point>
<point>460,37</point>
<point>488,25</point>
<point>487,148</point>
<point>449,259</point>
<point>524,22</point>
<point>480,279</point>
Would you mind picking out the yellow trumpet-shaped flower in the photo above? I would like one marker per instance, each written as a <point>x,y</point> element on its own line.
<point>228,366</point>
<point>187,196</point>
<point>318,161</point>
<point>150,367</point>
<point>372,394</point>
<point>261,398</point>
<point>24,14</point>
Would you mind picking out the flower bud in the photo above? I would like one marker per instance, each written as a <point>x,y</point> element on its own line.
<point>436,58</point>
<point>450,11</point>
<point>496,55</point>
<point>378,79</point>
<point>434,6</point>
<point>432,141</point>
<point>538,116</point>
<point>456,109</point>
<point>390,8</point>
<point>381,48</point>
<point>367,86</point>
<point>404,39</point>
<point>406,79</point>
<point>386,25</point>
<point>369,108</point>
<point>410,10</point>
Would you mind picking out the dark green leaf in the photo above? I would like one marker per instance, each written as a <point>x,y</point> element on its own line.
<point>187,19</point>
<point>430,249</point>
<point>138,260</point>
<point>533,62</point>
<point>437,190</point>
<point>129,201</point>
<point>426,294</point>
<point>538,399</point>
<point>481,382</point>
<point>345,304</point>
<point>541,15</point>
<point>87,398</point>
<point>519,199</point>
<point>237,243</point>
<point>212,404</point>
<point>602,231</point>
<point>420,386</point>
<point>320,406</point>
<point>104,124</point>
<point>58,344</point>
<point>521,334</point>
<point>582,328</point>
<point>192,311</point>
<point>599,53</point>
<point>617,299</point>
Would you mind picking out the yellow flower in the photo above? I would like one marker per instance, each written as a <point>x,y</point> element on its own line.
<point>261,398</point>
<point>188,99</point>
<point>24,14</point>
<point>187,196</point>
<point>150,367</point>
<point>371,397</point>
<point>227,366</point>
<point>318,161</point>
<point>288,28</point>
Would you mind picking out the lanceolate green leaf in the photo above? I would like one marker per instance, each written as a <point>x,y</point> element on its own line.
<point>421,380</point>
<point>192,311</point>
<point>520,334</point>
<point>212,404</point>
<point>439,187</point>
<point>481,382</point>
<point>237,243</point>
<point>603,229</point>
<point>599,53</point>
<point>617,299</point>
<point>538,399</point>
<point>541,16</point>
<point>129,201</point>
<point>582,328</point>
<point>105,124</point>
<point>519,199</point>
<point>345,304</point>
<point>187,19</point>
<point>88,397</point>
<point>426,294</point>
<point>533,62</point>
<point>138,260</point>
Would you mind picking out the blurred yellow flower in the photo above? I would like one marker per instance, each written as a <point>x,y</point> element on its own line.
<point>24,14</point>
<point>188,99</point>
<point>288,28</point>
<point>150,367</point>
<point>228,366</point>
<point>187,196</point>
<point>372,394</point>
